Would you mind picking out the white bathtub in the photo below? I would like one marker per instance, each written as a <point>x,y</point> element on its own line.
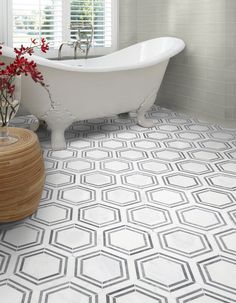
<point>125,81</point>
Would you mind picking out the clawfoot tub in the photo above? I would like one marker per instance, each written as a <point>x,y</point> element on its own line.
<point>125,81</point>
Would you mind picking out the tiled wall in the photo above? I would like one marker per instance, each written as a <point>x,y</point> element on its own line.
<point>202,79</point>
<point>127,23</point>
<point>230,55</point>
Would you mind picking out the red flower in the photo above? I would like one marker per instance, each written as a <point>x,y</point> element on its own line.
<point>21,65</point>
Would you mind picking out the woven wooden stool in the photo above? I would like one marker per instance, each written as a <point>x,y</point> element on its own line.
<point>21,176</point>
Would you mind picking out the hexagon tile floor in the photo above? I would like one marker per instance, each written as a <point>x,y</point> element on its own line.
<point>129,215</point>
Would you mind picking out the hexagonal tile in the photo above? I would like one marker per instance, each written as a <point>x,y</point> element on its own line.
<point>68,293</point>
<point>132,154</point>
<point>81,144</point>
<point>127,240</point>
<point>165,272</point>
<point>168,127</point>
<point>168,155</point>
<point>198,127</point>
<point>189,136</point>
<point>115,178</point>
<point>127,135</point>
<point>144,144</point>
<point>73,238</point>
<point>148,216</point>
<point>78,165</point>
<point>99,215</point>
<point>121,196</point>
<point>157,135</point>
<point>52,214</point>
<point>4,262</point>
<point>139,180</point>
<point>225,136</point>
<point>21,236</point>
<point>227,241</point>
<point>154,166</point>
<point>62,154</point>
<point>113,144</point>
<point>76,195</point>
<point>205,155</point>
<point>135,294</point>
<point>214,198</point>
<point>200,218</point>
<point>41,266</point>
<point>179,121</point>
<point>110,127</point>
<point>114,269</point>
<point>96,135</point>
<point>167,197</point>
<point>116,166</point>
<point>77,126</point>
<point>194,167</point>
<point>59,178</point>
<point>203,296</point>
<point>227,167</point>
<point>96,154</point>
<point>219,272</point>
<point>98,179</point>
<point>223,181</point>
<point>214,145</point>
<point>184,242</point>
<point>179,144</point>
<point>182,181</point>
<point>11,291</point>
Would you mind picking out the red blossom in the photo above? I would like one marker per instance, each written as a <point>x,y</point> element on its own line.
<point>22,65</point>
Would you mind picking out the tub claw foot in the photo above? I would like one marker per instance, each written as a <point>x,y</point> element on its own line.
<point>143,121</point>
<point>58,141</point>
<point>57,120</point>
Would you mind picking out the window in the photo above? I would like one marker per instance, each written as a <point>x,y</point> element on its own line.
<point>53,19</point>
<point>36,19</point>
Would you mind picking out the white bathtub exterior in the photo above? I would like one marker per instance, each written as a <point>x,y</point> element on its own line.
<point>125,81</point>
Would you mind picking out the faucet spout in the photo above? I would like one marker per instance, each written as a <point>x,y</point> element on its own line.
<point>61,46</point>
<point>85,32</point>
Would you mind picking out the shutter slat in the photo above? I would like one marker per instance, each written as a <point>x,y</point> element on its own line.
<point>43,18</point>
<point>97,12</point>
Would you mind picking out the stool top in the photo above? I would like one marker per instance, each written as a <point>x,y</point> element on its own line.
<point>26,139</point>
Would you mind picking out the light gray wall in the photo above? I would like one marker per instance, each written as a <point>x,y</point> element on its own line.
<point>201,79</point>
<point>127,22</point>
<point>230,59</point>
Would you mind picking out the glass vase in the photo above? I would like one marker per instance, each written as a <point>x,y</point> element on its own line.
<point>9,105</point>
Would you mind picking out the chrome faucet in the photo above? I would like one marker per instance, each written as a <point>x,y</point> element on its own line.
<point>85,32</point>
<point>61,46</point>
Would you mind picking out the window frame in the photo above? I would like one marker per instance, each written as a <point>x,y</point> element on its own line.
<point>7,30</point>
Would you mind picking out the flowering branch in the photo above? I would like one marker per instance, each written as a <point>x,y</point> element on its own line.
<point>19,66</point>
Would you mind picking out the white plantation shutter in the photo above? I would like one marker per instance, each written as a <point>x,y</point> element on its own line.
<point>36,19</point>
<point>52,18</point>
<point>99,14</point>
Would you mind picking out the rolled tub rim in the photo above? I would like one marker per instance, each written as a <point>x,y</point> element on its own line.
<point>170,52</point>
